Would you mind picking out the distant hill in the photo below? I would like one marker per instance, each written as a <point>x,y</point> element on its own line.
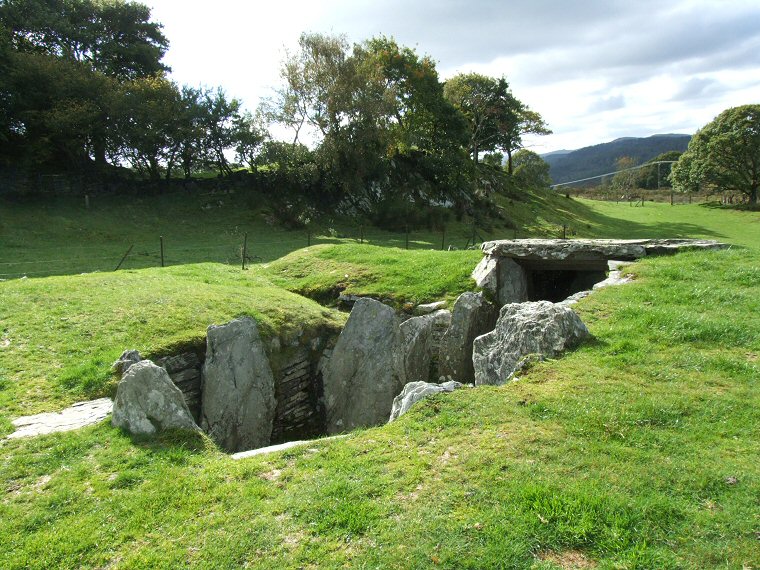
<point>600,159</point>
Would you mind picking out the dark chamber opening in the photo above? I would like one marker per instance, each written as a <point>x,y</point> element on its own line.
<point>557,284</point>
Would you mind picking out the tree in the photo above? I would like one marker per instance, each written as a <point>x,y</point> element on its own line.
<point>497,119</point>
<point>657,175</point>
<point>114,37</point>
<point>625,178</point>
<point>724,154</point>
<point>530,169</point>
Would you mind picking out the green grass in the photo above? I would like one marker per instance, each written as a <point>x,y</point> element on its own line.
<point>638,450</point>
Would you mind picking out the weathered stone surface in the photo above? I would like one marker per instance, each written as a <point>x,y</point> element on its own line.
<point>505,280</point>
<point>78,415</point>
<point>147,401</point>
<point>127,359</point>
<point>421,345</point>
<point>592,249</point>
<point>471,317</point>
<point>365,370</point>
<point>540,327</point>
<point>427,308</point>
<point>413,392</point>
<point>238,387</point>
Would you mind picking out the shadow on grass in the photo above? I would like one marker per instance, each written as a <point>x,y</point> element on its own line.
<point>630,229</point>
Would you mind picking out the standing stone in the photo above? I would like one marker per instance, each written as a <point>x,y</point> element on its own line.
<point>365,370</point>
<point>541,328</point>
<point>413,392</point>
<point>147,401</point>
<point>504,280</point>
<point>127,359</point>
<point>422,345</point>
<point>472,316</point>
<point>237,386</point>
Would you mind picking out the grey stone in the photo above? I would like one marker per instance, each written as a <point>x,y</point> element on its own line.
<point>422,345</point>
<point>505,280</point>
<point>147,401</point>
<point>76,416</point>
<point>364,372</point>
<point>471,317</point>
<point>238,400</point>
<point>427,308</point>
<point>539,327</point>
<point>413,392</point>
<point>127,359</point>
<point>592,249</point>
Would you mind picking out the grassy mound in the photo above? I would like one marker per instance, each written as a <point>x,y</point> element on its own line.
<point>638,450</point>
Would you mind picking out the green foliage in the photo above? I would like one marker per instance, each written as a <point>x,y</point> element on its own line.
<point>530,169</point>
<point>724,154</point>
<point>497,120</point>
<point>657,175</point>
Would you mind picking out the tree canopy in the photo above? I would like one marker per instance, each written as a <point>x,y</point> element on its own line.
<point>724,154</point>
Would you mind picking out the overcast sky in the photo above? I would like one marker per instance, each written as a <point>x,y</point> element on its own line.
<point>595,70</point>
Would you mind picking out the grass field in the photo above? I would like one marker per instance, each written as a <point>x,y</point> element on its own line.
<point>638,450</point>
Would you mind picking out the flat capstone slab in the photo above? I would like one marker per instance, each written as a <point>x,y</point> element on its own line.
<point>592,250</point>
<point>79,415</point>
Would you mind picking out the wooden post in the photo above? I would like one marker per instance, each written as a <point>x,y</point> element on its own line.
<point>125,257</point>
<point>671,197</point>
<point>564,231</point>
<point>87,201</point>
<point>245,248</point>
<point>308,238</point>
<point>361,234</point>
<point>162,250</point>
<point>407,236</point>
<point>443,238</point>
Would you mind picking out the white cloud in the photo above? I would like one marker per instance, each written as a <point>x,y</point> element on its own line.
<point>595,69</point>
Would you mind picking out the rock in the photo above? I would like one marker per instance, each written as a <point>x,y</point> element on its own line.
<point>127,359</point>
<point>505,280</point>
<point>421,345</point>
<point>413,392</point>
<point>576,250</point>
<point>541,328</point>
<point>364,372</point>
<point>76,416</point>
<point>238,401</point>
<point>471,317</point>
<point>147,401</point>
<point>427,308</point>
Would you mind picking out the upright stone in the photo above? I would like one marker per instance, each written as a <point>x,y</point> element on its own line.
<point>471,317</point>
<point>365,370</point>
<point>504,280</point>
<point>540,328</point>
<point>237,386</point>
<point>413,392</point>
<point>147,401</point>
<point>422,345</point>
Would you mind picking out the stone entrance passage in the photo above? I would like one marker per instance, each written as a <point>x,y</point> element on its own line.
<point>515,271</point>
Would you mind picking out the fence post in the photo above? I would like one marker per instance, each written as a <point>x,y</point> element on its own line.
<point>564,231</point>
<point>308,238</point>
<point>245,248</point>
<point>443,238</point>
<point>361,234</point>
<point>162,250</point>
<point>407,236</point>
<point>125,257</point>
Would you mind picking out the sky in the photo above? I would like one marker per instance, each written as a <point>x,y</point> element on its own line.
<point>596,70</point>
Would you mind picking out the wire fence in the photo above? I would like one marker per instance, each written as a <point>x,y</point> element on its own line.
<point>242,250</point>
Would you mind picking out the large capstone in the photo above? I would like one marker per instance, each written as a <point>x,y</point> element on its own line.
<point>147,401</point>
<point>365,370</point>
<point>237,387</point>
<point>540,328</point>
<point>413,392</point>
<point>471,317</point>
<point>422,342</point>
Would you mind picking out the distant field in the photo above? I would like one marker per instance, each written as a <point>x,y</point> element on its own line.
<point>637,451</point>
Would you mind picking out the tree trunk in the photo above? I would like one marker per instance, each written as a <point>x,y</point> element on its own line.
<point>753,195</point>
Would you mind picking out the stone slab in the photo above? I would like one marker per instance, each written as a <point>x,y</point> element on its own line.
<point>77,416</point>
